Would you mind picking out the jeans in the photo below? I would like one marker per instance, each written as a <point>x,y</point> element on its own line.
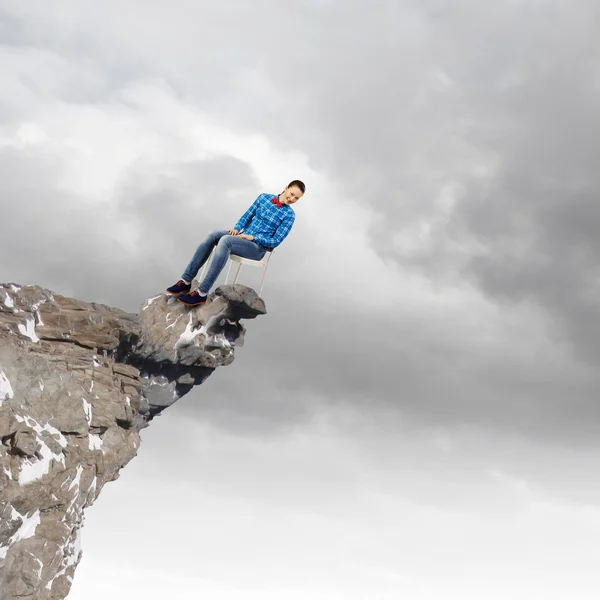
<point>226,244</point>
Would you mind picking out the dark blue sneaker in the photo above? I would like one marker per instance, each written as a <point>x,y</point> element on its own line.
<point>181,287</point>
<point>193,298</point>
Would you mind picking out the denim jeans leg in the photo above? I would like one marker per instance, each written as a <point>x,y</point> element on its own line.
<point>229,244</point>
<point>202,253</point>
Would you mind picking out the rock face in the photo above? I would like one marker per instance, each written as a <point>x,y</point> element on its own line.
<point>78,381</point>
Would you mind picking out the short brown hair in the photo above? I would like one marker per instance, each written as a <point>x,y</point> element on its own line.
<point>299,184</point>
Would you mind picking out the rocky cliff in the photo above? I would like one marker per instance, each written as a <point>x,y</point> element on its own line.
<point>78,381</point>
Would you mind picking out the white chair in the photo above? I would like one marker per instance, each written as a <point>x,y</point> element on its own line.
<point>263,264</point>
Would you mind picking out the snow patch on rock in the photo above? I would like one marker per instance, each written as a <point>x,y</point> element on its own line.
<point>34,469</point>
<point>28,330</point>
<point>150,301</point>
<point>87,409</point>
<point>187,337</point>
<point>6,390</point>
<point>94,441</point>
<point>26,530</point>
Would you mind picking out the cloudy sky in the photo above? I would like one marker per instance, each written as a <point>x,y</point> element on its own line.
<point>417,416</point>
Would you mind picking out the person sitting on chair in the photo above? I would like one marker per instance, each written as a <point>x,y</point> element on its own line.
<point>262,227</point>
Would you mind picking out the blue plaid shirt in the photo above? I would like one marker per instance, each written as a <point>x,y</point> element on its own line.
<point>268,224</point>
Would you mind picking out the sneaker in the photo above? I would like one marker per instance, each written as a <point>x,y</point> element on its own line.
<point>179,288</point>
<point>193,299</point>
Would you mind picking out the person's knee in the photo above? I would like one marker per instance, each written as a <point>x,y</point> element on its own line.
<point>215,235</point>
<point>225,241</point>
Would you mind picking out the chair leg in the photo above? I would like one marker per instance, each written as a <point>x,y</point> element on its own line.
<point>237,273</point>
<point>262,283</point>
<point>228,272</point>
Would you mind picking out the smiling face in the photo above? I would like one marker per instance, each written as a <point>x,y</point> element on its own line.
<point>291,194</point>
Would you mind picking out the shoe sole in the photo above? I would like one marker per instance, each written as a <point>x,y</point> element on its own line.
<point>177,293</point>
<point>190,303</point>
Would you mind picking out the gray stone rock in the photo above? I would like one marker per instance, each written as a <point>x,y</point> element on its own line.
<point>78,381</point>
<point>25,443</point>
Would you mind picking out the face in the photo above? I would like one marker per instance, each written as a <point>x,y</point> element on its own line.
<point>290,195</point>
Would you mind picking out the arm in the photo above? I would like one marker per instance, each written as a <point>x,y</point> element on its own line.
<point>247,216</point>
<point>282,231</point>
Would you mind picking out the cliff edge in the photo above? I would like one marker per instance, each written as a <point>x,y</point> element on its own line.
<point>78,381</point>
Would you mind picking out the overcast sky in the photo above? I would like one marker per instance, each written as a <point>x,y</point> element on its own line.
<point>417,416</point>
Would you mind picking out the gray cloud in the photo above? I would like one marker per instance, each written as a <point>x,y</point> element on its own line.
<point>57,239</point>
<point>390,371</point>
<point>418,97</point>
<point>468,132</point>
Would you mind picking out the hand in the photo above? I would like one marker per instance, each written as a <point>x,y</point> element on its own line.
<point>234,232</point>
<point>246,237</point>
